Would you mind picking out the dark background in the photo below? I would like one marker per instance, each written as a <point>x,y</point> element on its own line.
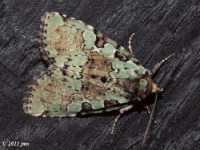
<point>161,28</point>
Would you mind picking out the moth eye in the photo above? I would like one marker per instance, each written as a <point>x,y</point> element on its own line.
<point>103,79</point>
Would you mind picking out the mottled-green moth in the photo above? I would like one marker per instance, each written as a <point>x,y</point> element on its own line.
<point>87,73</point>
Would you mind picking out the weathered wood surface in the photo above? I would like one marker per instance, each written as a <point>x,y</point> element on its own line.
<point>161,28</point>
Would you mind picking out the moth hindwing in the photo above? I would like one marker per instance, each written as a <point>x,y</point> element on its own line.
<point>87,72</point>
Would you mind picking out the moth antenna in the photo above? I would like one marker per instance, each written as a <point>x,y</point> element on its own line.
<point>150,120</point>
<point>158,65</point>
<point>129,44</point>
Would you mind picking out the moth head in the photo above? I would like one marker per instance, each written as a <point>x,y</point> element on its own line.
<point>156,88</point>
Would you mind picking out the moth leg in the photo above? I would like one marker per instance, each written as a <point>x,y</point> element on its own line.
<point>129,44</point>
<point>150,120</point>
<point>158,65</point>
<point>149,113</point>
<point>121,112</point>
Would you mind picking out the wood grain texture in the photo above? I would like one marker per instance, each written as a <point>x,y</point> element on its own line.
<point>161,28</point>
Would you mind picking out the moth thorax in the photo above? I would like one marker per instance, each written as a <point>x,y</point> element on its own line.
<point>147,86</point>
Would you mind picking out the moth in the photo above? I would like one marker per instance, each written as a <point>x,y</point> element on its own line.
<point>87,73</point>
